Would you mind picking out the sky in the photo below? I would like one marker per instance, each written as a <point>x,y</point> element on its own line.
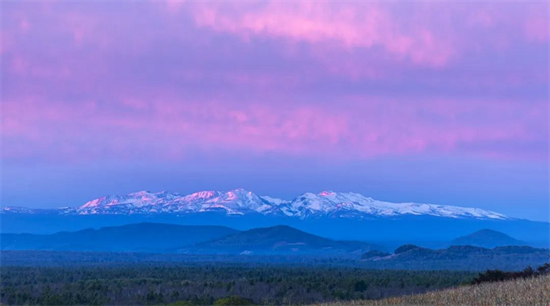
<point>431,102</point>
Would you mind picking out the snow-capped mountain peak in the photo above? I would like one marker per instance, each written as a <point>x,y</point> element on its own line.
<point>326,193</point>
<point>134,199</point>
<point>241,202</point>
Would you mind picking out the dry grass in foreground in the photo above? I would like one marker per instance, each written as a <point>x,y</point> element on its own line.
<point>533,291</point>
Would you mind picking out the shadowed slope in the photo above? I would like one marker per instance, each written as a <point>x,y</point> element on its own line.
<point>279,239</point>
<point>488,239</point>
<point>146,237</point>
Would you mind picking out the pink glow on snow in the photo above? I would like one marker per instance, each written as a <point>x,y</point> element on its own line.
<point>201,195</point>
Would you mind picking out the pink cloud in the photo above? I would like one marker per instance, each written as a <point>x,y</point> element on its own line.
<point>425,35</point>
<point>351,25</point>
<point>350,80</point>
<point>5,42</point>
<point>365,127</point>
<point>537,29</point>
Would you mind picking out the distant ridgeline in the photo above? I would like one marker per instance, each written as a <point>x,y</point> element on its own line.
<point>186,239</point>
<point>488,239</point>
<point>340,216</point>
<point>411,257</point>
<point>484,249</point>
<point>151,242</point>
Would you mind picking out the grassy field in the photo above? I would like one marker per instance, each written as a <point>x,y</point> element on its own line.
<point>534,291</point>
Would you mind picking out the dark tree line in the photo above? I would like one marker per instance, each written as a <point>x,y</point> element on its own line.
<point>212,285</point>
<point>498,275</point>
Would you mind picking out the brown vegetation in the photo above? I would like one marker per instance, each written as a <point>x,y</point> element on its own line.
<point>530,291</point>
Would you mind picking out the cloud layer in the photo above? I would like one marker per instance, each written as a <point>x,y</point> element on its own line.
<point>357,80</point>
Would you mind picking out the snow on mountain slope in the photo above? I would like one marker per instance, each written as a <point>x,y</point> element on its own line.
<point>234,202</point>
<point>328,202</point>
<point>241,202</point>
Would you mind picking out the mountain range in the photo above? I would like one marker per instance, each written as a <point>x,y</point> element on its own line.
<point>242,202</point>
<point>335,215</point>
<point>196,239</point>
<point>171,238</point>
<point>174,243</point>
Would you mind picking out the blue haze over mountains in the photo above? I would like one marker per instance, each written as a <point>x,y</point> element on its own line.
<point>342,216</point>
<point>181,244</point>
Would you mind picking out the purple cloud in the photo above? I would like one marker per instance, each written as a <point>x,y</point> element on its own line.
<point>149,80</point>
